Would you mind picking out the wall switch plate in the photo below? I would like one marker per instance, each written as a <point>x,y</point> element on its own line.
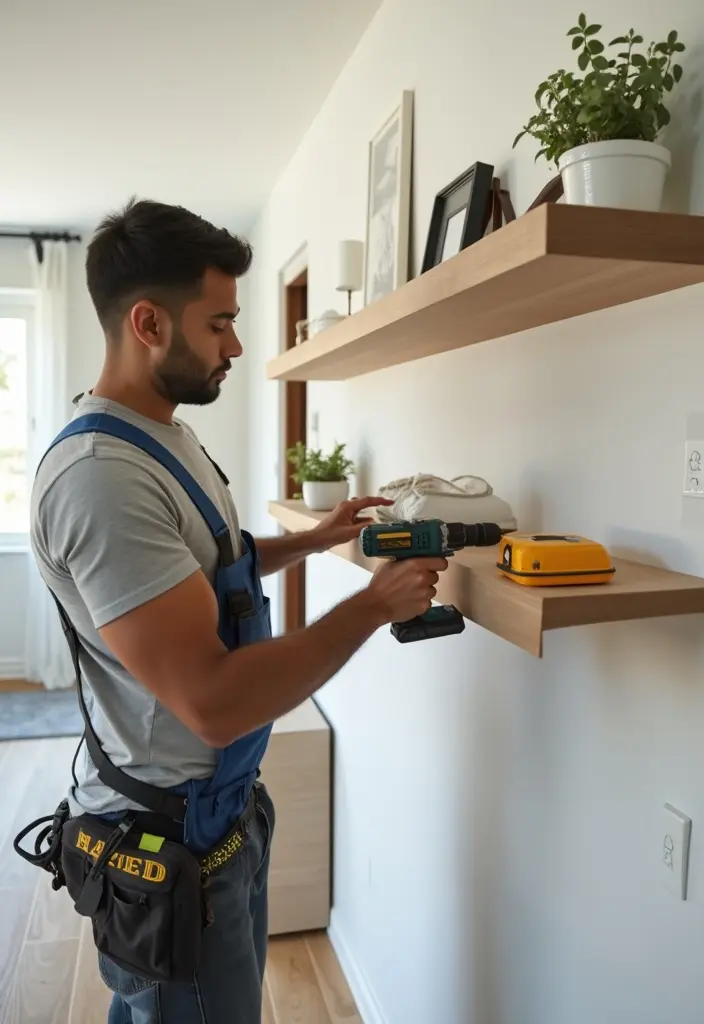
<point>674,850</point>
<point>694,469</point>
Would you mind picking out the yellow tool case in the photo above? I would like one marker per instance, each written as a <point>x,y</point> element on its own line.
<point>553,560</point>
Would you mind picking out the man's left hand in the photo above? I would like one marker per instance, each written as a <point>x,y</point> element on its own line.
<point>345,523</point>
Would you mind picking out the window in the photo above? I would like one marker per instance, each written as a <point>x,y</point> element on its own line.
<point>16,321</point>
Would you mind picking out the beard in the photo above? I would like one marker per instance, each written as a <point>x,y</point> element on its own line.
<point>182,379</point>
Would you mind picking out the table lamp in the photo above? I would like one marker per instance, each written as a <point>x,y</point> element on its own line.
<point>350,269</point>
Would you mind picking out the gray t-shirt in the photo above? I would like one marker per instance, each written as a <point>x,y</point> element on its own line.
<point>110,530</point>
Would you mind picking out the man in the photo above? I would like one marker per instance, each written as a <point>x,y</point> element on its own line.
<point>136,534</point>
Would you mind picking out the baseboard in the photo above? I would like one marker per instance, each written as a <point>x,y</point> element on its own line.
<point>11,668</point>
<point>367,1003</point>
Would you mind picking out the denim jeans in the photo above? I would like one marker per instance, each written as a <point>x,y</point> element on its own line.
<point>227,987</point>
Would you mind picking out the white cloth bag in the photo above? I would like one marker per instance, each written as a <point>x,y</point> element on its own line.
<point>464,499</point>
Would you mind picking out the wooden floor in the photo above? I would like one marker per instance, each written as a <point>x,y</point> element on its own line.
<point>48,969</point>
<point>17,686</point>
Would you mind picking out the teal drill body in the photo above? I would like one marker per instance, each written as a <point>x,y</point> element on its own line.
<point>426,538</point>
<point>415,539</point>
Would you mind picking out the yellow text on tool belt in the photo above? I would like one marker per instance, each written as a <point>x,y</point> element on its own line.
<point>140,867</point>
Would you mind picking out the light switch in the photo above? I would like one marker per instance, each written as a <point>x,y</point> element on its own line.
<point>674,850</point>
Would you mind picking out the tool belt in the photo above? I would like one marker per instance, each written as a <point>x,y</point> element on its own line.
<point>144,891</point>
<point>146,895</point>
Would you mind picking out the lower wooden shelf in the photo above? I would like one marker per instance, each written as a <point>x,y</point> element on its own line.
<point>522,614</point>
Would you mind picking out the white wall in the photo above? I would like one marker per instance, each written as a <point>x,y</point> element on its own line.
<point>221,428</point>
<point>496,816</point>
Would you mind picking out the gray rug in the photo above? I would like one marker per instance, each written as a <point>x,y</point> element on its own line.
<point>29,715</point>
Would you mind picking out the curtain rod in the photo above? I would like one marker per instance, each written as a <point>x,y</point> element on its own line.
<point>41,236</point>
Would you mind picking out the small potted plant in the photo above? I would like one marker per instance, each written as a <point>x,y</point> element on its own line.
<point>600,131</point>
<point>323,477</point>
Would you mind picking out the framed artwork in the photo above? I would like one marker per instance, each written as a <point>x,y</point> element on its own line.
<point>389,203</point>
<point>459,215</point>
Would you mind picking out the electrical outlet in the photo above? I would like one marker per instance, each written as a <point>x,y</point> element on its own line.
<point>694,469</point>
<point>674,850</point>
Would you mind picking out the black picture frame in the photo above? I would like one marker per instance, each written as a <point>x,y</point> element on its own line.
<point>469,192</point>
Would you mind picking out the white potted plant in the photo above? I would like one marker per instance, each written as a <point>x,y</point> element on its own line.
<point>323,478</point>
<point>600,131</point>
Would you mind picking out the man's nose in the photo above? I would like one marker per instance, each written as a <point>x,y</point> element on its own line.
<point>234,347</point>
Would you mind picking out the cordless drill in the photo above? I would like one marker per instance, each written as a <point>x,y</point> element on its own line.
<point>426,538</point>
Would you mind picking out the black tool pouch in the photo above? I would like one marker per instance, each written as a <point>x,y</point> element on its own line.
<point>146,906</point>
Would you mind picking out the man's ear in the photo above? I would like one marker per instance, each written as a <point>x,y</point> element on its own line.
<point>150,323</point>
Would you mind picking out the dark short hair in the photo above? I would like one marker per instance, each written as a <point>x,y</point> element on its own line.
<point>153,250</point>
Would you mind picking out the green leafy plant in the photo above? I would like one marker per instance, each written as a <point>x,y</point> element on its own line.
<point>619,97</point>
<point>310,463</point>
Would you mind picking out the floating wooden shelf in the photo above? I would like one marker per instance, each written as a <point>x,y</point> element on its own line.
<point>553,263</point>
<point>522,614</point>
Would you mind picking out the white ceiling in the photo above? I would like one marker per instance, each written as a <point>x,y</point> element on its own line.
<point>197,102</point>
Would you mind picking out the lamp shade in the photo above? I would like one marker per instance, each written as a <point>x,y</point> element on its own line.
<point>350,266</point>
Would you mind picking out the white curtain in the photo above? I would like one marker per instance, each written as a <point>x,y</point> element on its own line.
<point>47,657</point>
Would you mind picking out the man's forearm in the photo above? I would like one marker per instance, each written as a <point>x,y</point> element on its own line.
<point>255,685</point>
<point>276,553</point>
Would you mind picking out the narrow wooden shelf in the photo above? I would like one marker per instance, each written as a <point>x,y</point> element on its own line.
<point>522,614</point>
<point>553,263</point>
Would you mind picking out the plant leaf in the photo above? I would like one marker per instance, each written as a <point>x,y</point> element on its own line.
<point>575,30</point>
<point>638,60</point>
<point>592,30</point>
<point>595,46</point>
<point>582,21</point>
<point>583,60</point>
<point>676,72</point>
<point>672,38</point>
<point>618,39</point>
<point>663,115</point>
<point>678,47</point>
<point>577,42</point>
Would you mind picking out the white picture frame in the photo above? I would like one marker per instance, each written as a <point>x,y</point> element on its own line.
<point>386,254</point>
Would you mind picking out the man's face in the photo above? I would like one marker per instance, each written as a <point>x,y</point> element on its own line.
<point>202,345</point>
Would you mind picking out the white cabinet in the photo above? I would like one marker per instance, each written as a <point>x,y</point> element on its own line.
<point>297,772</point>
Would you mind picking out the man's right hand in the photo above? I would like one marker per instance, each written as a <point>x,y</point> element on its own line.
<point>401,590</point>
<point>171,646</point>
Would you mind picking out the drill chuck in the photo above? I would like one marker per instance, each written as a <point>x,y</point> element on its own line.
<point>476,535</point>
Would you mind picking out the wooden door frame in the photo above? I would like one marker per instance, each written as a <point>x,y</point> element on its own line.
<point>293,423</point>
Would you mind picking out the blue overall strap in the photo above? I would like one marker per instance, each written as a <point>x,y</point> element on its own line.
<point>161,801</point>
<point>103,423</point>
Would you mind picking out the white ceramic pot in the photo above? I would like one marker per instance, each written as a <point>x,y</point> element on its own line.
<point>323,495</point>
<point>624,173</point>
